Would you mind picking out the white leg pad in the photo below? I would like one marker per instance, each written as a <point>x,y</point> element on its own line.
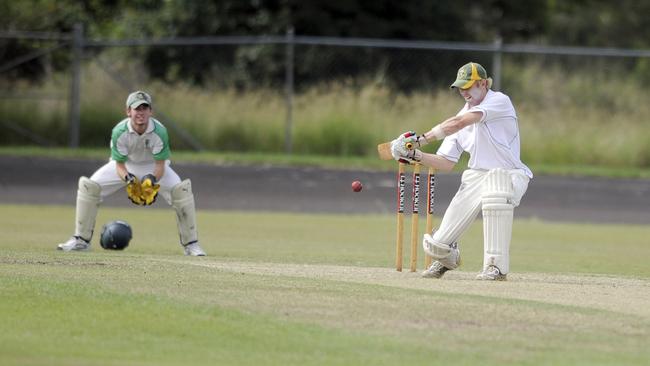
<point>88,199</point>
<point>446,254</point>
<point>183,203</point>
<point>497,219</point>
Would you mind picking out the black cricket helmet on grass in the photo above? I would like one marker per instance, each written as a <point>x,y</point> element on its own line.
<point>116,235</point>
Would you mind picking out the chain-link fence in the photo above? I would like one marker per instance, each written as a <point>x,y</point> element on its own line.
<point>307,94</point>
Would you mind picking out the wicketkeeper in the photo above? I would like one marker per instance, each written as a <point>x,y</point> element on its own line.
<point>494,183</point>
<point>140,162</point>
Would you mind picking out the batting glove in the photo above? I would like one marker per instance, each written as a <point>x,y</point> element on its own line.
<point>400,147</point>
<point>413,156</point>
<point>410,140</point>
<point>404,155</point>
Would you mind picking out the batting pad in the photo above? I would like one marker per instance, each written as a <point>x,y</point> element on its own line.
<point>448,255</point>
<point>497,219</point>
<point>88,199</point>
<point>183,203</point>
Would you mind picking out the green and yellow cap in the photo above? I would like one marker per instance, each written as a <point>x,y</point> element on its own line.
<point>468,74</point>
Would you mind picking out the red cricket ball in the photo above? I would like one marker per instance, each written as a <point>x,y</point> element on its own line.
<point>357,186</point>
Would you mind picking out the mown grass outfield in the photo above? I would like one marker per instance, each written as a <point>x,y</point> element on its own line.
<point>281,289</point>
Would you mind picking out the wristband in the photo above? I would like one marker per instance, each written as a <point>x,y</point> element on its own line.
<point>422,140</point>
<point>438,133</point>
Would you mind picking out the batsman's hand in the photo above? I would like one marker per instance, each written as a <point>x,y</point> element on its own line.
<point>410,140</point>
<point>133,189</point>
<point>149,189</point>
<point>403,154</point>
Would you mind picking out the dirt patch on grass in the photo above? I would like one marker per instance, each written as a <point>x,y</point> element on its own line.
<point>30,261</point>
<point>629,296</point>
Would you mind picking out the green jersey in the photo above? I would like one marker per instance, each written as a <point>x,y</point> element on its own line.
<point>128,145</point>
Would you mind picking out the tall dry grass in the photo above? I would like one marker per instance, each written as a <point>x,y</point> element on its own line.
<point>565,118</point>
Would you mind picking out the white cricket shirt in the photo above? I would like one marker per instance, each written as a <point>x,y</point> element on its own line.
<point>128,145</point>
<point>493,142</point>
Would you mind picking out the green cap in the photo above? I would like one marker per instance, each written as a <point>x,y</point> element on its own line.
<point>138,98</point>
<point>468,74</point>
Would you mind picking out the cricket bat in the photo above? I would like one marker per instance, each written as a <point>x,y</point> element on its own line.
<point>384,150</point>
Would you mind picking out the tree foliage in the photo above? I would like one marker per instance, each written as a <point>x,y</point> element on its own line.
<point>571,22</point>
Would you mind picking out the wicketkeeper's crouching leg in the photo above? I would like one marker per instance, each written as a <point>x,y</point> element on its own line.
<point>183,202</point>
<point>88,199</point>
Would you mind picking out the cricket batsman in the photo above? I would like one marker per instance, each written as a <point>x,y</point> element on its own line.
<point>140,163</point>
<point>494,183</point>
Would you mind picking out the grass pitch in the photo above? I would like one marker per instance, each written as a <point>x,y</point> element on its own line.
<point>279,289</point>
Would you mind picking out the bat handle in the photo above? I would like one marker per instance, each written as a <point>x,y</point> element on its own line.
<point>409,145</point>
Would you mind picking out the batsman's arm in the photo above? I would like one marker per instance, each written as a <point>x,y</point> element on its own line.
<point>452,125</point>
<point>437,162</point>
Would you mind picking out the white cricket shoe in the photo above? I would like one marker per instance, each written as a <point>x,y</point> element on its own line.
<point>438,268</point>
<point>74,243</point>
<point>194,249</point>
<point>435,270</point>
<point>491,273</point>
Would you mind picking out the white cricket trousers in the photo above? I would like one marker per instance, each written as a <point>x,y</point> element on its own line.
<point>107,178</point>
<point>466,204</point>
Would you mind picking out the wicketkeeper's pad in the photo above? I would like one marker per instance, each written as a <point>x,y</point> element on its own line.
<point>88,199</point>
<point>183,203</point>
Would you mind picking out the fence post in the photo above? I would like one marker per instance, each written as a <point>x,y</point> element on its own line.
<point>496,63</point>
<point>74,103</point>
<point>288,90</point>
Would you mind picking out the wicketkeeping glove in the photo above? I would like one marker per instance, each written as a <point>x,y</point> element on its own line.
<point>149,189</point>
<point>133,189</point>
